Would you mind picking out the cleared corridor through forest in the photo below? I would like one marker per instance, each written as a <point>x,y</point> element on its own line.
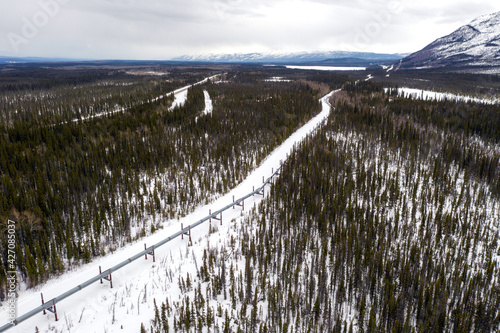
<point>87,273</point>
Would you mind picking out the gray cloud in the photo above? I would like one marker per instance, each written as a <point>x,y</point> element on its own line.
<point>158,29</point>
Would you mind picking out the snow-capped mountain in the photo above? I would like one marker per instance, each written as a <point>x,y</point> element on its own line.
<point>286,57</point>
<point>475,45</point>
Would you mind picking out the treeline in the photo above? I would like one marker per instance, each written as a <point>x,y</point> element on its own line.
<point>469,84</point>
<point>46,96</point>
<point>471,138</point>
<point>373,226</point>
<point>32,77</point>
<point>482,120</point>
<point>258,73</point>
<point>80,189</point>
<point>47,76</point>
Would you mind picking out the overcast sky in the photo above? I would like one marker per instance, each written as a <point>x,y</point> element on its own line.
<point>163,29</point>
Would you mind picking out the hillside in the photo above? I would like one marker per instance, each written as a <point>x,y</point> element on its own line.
<point>473,46</point>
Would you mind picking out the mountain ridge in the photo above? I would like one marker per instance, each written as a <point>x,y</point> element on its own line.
<point>286,57</point>
<point>472,46</point>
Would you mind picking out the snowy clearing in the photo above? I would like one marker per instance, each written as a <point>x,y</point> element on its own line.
<point>432,95</point>
<point>180,98</point>
<point>121,309</point>
<point>327,68</point>
<point>181,94</point>
<point>208,104</point>
<point>209,107</point>
<point>277,79</point>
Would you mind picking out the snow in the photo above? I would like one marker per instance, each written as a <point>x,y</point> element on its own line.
<point>474,44</point>
<point>283,56</point>
<point>432,95</point>
<point>327,68</point>
<point>122,309</point>
<point>98,115</point>
<point>277,79</point>
<point>181,94</point>
<point>180,97</point>
<point>141,73</point>
<point>209,108</point>
<point>208,104</point>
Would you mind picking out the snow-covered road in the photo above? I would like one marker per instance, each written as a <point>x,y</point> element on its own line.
<point>121,309</point>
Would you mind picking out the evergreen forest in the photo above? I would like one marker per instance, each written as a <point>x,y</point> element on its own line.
<point>111,160</point>
<point>385,220</point>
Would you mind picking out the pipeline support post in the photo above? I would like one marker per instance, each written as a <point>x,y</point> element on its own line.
<point>41,295</point>
<point>187,233</point>
<point>242,204</point>
<point>150,252</point>
<point>215,217</point>
<point>51,309</point>
<point>107,278</point>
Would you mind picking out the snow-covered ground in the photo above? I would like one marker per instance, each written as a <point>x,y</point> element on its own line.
<point>209,108</point>
<point>101,114</point>
<point>180,98</point>
<point>432,95</point>
<point>181,94</point>
<point>277,79</point>
<point>327,68</point>
<point>122,309</point>
<point>208,104</point>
